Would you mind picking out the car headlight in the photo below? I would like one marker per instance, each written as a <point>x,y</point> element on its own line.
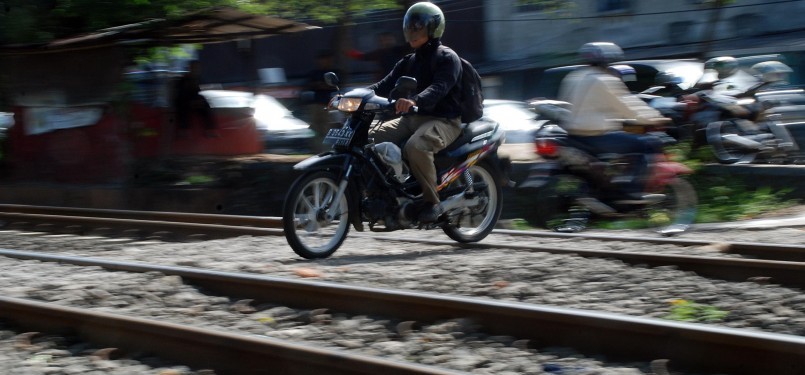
<point>349,104</point>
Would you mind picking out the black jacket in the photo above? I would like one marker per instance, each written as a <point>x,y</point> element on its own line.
<point>437,88</point>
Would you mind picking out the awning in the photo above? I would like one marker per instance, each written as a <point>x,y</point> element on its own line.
<point>212,25</point>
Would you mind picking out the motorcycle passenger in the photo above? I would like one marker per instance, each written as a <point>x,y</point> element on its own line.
<point>437,122</point>
<point>723,67</point>
<point>600,102</point>
<point>772,73</point>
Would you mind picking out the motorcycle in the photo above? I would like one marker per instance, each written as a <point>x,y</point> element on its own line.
<point>757,129</point>
<point>748,125</point>
<point>575,182</point>
<point>359,182</point>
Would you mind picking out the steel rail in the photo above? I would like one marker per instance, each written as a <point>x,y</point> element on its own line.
<point>731,269</point>
<point>775,271</point>
<point>210,231</point>
<point>224,352</point>
<point>235,222</point>
<point>688,346</point>
<point>760,250</point>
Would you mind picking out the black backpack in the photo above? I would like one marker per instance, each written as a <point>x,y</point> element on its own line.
<point>469,85</point>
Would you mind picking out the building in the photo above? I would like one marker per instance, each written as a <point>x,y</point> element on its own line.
<point>522,40</point>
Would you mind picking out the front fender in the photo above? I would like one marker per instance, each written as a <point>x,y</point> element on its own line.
<point>321,162</point>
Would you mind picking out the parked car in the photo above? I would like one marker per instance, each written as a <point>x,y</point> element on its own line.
<point>282,132</point>
<point>520,124</point>
<point>6,120</point>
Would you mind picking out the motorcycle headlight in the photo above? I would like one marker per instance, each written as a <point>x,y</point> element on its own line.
<point>349,104</point>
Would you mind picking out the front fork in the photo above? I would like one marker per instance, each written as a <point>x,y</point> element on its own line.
<point>342,188</point>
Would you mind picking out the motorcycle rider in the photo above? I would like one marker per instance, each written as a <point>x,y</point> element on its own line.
<point>437,122</point>
<point>600,102</point>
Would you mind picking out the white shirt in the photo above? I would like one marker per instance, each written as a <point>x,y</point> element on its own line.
<point>601,102</point>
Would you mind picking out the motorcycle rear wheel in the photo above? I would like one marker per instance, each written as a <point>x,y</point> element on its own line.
<point>304,216</point>
<point>475,223</point>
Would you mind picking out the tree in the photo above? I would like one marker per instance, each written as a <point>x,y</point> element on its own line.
<point>36,21</point>
<point>32,21</point>
<point>712,24</point>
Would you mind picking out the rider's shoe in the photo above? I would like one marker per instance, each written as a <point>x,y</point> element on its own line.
<point>641,198</point>
<point>430,213</point>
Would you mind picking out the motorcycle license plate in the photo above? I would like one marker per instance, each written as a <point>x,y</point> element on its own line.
<point>338,137</point>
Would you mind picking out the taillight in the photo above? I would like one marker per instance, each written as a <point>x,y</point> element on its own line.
<point>547,148</point>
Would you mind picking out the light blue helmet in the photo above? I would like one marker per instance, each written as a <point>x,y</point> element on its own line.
<point>423,17</point>
<point>772,71</point>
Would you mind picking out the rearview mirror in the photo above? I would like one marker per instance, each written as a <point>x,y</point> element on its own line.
<point>331,79</point>
<point>404,87</point>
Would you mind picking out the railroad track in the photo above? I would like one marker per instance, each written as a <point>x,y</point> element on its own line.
<point>690,347</point>
<point>773,263</point>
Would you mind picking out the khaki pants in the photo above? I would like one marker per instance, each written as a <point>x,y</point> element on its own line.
<point>426,136</point>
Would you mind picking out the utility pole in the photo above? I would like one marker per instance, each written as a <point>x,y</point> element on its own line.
<point>709,34</point>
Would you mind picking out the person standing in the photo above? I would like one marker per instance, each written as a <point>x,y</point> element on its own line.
<point>385,56</point>
<point>188,102</point>
<point>317,96</point>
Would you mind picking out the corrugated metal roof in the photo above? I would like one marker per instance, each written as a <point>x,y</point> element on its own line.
<point>206,26</point>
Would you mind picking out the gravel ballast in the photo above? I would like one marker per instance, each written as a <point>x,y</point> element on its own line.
<point>559,280</point>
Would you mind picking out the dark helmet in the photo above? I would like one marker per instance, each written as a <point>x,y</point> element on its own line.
<point>423,17</point>
<point>600,53</point>
<point>668,78</point>
<point>725,66</point>
<point>625,72</point>
<point>772,71</point>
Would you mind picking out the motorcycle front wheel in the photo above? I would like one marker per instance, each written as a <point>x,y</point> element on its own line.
<point>305,219</point>
<point>678,210</point>
<point>725,152</point>
<point>474,223</point>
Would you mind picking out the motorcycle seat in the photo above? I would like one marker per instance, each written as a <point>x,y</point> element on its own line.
<point>597,154</point>
<point>470,131</point>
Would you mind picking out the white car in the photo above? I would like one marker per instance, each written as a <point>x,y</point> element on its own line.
<point>282,132</point>
<point>520,124</point>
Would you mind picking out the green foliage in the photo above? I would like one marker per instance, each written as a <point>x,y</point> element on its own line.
<point>724,199</point>
<point>686,311</point>
<point>27,21</point>
<point>723,202</point>
<point>197,180</point>
<point>334,11</point>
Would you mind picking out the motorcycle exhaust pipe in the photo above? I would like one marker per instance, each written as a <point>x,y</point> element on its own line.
<point>459,201</point>
<point>596,206</point>
<point>738,141</point>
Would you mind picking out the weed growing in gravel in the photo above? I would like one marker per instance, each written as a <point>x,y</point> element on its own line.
<point>686,311</point>
<point>725,198</point>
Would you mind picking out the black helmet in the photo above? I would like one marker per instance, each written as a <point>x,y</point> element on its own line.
<point>625,72</point>
<point>666,78</point>
<point>600,53</point>
<point>423,17</point>
<point>725,66</point>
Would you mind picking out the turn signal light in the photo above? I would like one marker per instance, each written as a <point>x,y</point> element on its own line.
<point>547,148</point>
